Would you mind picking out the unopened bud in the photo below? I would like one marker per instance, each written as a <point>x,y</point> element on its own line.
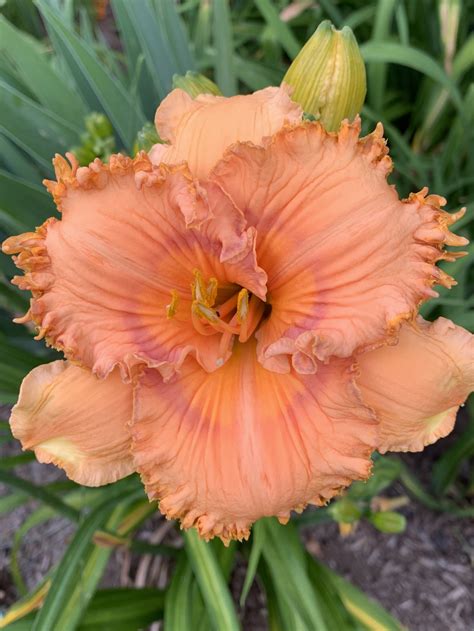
<point>195,84</point>
<point>328,76</point>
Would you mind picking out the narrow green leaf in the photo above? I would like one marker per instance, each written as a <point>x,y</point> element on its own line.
<point>38,131</point>
<point>39,493</point>
<point>410,57</point>
<point>377,71</point>
<point>23,205</point>
<point>173,29</point>
<point>222,38</point>
<point>28,58</point>
<point>123,609</point>
<point>447,467</point>
<point>154,45</point>
<point>371,615</point>
<point>178,605</point>
<point>281,30</point>
<point>254,558</point>
<point>16,161</point>
<point>213,586</point>
<point>124,113</point>
<point>64,585</point>
<point>284,555</point>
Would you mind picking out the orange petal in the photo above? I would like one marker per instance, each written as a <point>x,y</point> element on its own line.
<point>417,386</point>
<point>130,238</point>
<point>199,130</point>
<point>347,261</point>
<point>221,450</point>
<point>70,418</point>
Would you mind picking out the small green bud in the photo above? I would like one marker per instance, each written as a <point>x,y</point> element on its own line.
<point>389,522</point>
<point>328,76</point>
<point>97,141</point>
<point>98,125</point>
<point>344,511</point>
<point>195,84</point>
<point>146,138</point>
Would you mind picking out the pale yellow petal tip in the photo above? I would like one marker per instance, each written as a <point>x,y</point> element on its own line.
<point>428,431</point>
<point>328,76</point>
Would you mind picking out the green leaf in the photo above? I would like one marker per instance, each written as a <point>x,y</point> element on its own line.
<point>212,583</point>
<point>410,57</point>
<point>124,113</point>
<point>280,30</point>
<point>65,589</point>
<point>23,205</point>
<point>38,131</point>
<point>174,31</point>
<point>178,605</point>
<point>447,467</point>
<point>222,38</point>
<point>39,493</point>
<point>16,161</point>
<point>371,615</point>
<point>123,609</point>
<point>285,558</point>
<point>254,558</point>
<point>154,43</point>
<point>29,60</point>
<point>377,71</point>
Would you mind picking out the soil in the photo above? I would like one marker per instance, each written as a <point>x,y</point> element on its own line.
<point>424,577</point>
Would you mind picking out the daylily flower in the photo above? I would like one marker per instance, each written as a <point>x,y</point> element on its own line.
<point>238,312</point>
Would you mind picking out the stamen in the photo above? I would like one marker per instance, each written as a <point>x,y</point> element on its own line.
<point>226,307</point>
<point>199,288</point>
<point>255,313</point>
<point>211,291</point>
<point>242,305</point>
<point>203,311</point>
<point>173,305</point>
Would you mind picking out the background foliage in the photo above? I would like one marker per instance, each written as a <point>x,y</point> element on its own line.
<point>69,81</point>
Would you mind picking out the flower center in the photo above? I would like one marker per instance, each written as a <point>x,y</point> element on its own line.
<point>228,310</point>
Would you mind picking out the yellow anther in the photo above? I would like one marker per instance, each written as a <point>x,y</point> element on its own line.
<point>203,311</point>
<point>173,305</point>
<point>242,305</point>
<point>211,291</point>
<point>199,288</point>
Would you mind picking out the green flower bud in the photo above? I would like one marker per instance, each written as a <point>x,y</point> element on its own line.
<point>195,84</point>
<point>146,138</point>
<point>389,522</point>
<point>345,511</point>
<point>328,76</point>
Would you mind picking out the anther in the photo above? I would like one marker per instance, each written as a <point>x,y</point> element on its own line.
<point>173,305</point>
<point>242,305</point>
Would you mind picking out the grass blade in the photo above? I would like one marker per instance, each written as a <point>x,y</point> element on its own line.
<point>212,583</point>
<point>123,112</point>
<point>222,37</point>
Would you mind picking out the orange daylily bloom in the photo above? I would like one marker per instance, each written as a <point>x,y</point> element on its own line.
<point>238,314</point>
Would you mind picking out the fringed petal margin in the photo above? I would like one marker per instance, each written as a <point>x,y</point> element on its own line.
<point>347,260</point>
<point>221,450</point>
<point>75,421</point>
<point>417,386</point>
<point>129,241</point>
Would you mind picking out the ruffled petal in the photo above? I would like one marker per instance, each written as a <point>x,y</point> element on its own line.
<point>130,238</point>
<point>417,386</point>
<point>221,450</point>
<point>75,421</point>
<point>347,261</point>
<point>199,130</point>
